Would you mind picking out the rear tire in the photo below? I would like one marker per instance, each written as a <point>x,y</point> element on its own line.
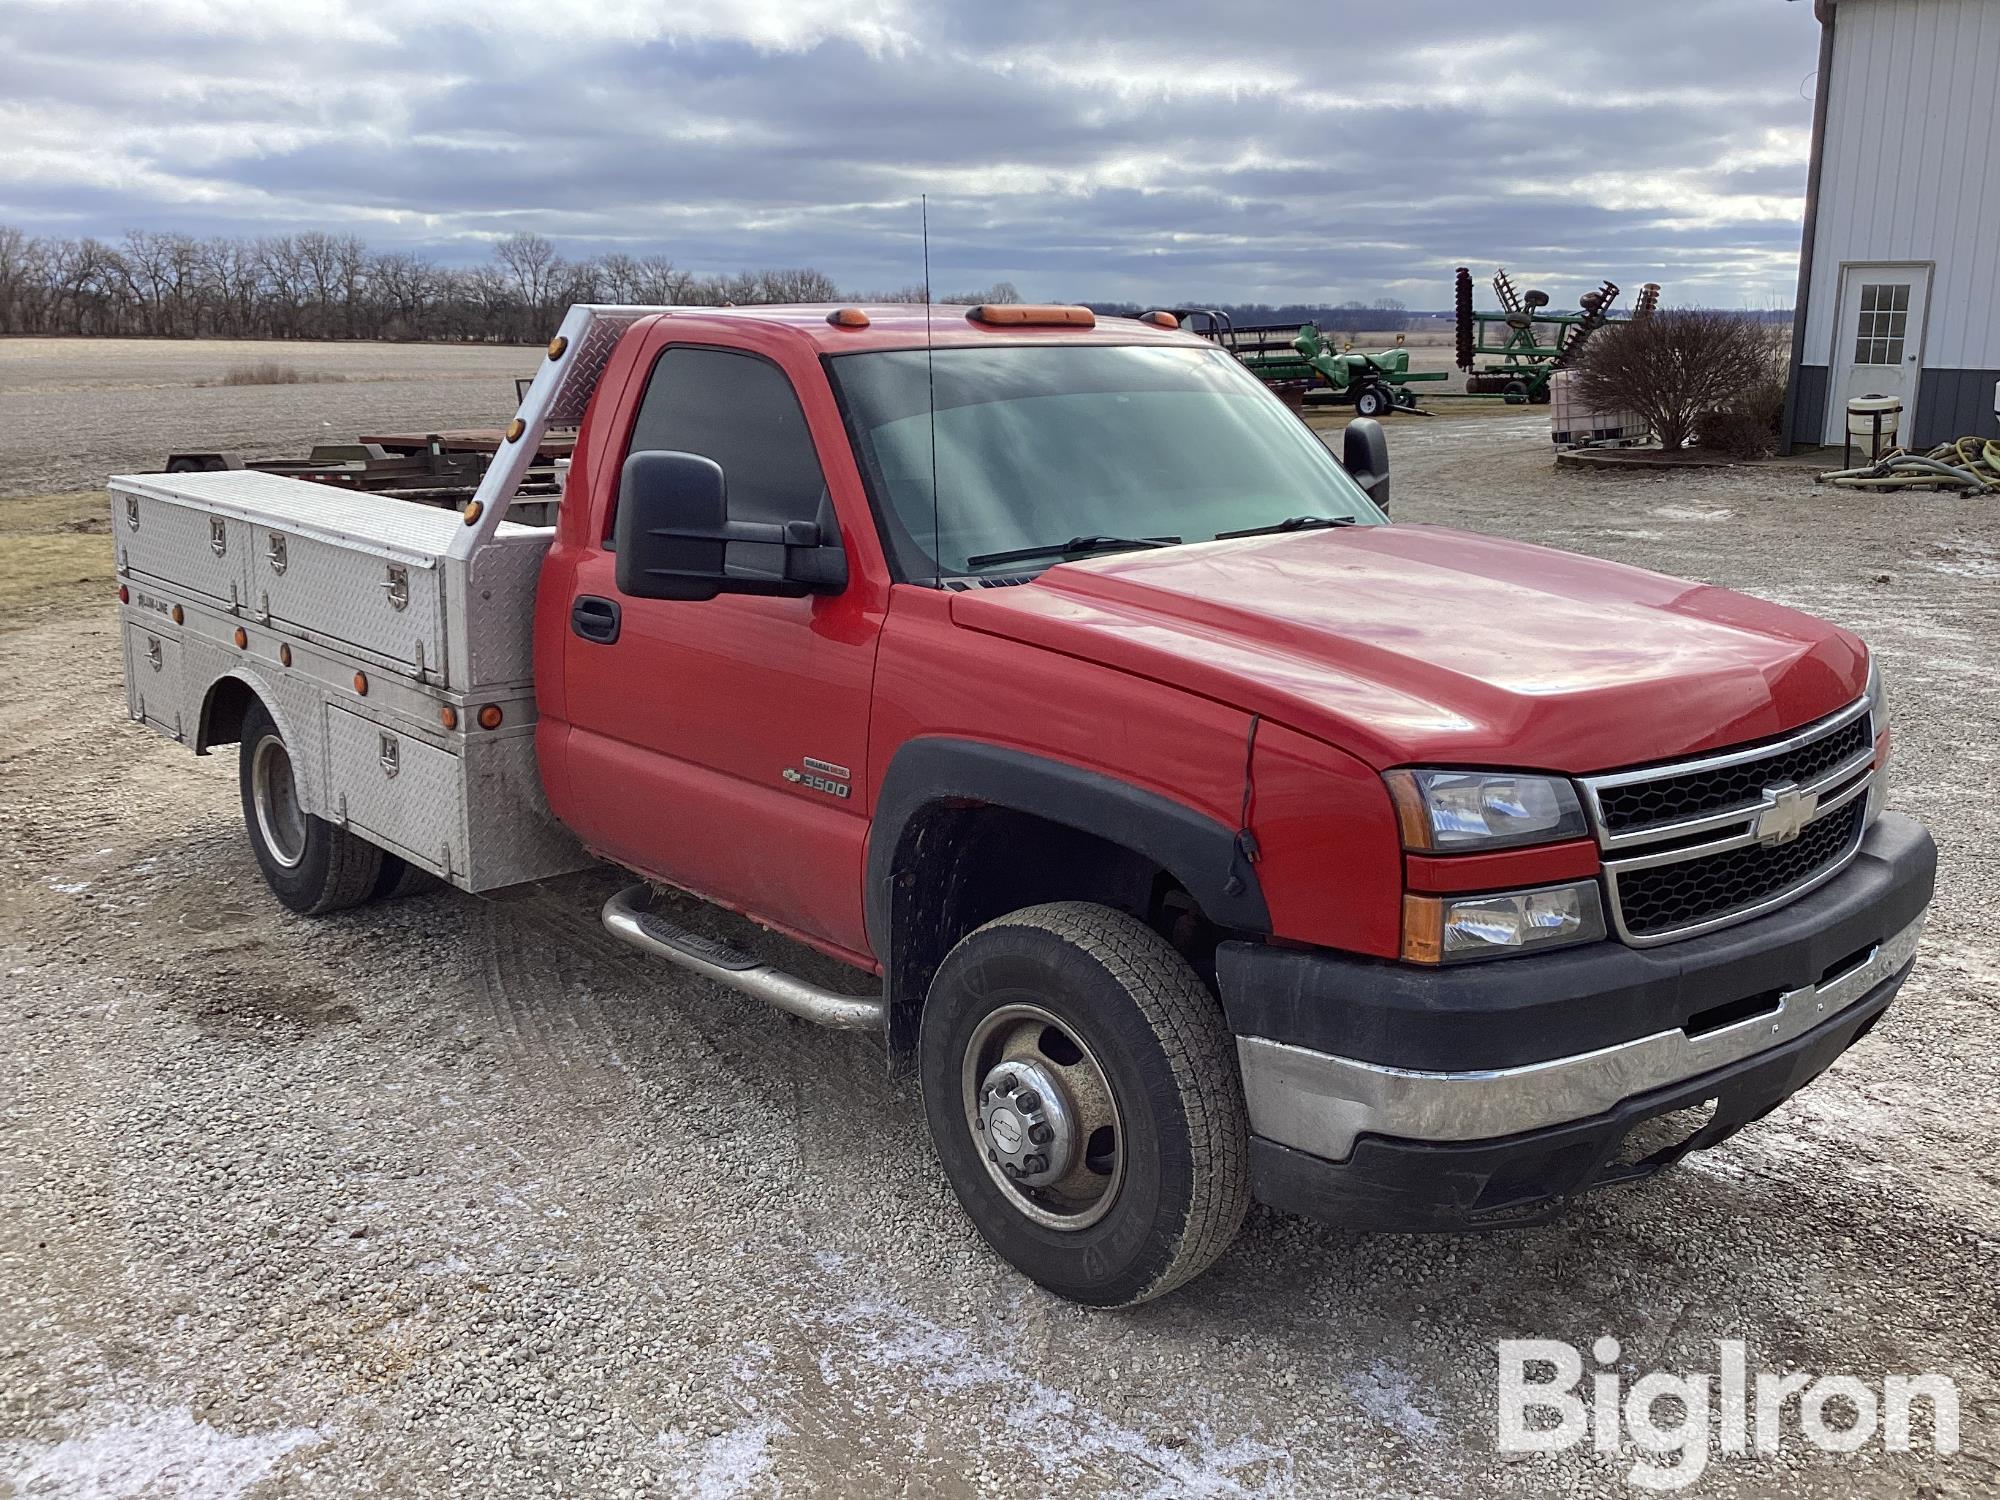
<point>311,865</point>
<point>1149,1180</point>
<point>1374,401</point>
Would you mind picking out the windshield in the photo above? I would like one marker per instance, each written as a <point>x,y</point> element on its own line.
<point>1040,445</point>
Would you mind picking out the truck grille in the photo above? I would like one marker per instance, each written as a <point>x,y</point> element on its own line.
<point>1673,798</point>
<point>1667,898</point>
<point>1701,844</point>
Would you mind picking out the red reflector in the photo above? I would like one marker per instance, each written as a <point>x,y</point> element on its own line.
<point>1032,314</point>
<point>124,594</point>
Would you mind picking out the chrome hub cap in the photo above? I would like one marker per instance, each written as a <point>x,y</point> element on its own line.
<point>281,822</point>
<point>1043,1117</point>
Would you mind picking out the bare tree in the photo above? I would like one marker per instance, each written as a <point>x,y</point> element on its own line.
<point>1673,368</point>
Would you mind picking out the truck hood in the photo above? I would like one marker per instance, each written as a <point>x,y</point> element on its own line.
<point>1417,644</point>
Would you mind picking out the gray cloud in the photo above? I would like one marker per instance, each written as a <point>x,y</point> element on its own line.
<point>1160,151</point>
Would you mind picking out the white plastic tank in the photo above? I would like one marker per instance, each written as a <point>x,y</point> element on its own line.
<point>1873,423</point>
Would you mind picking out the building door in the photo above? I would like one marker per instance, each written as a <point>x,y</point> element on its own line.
<point>1878,347</point>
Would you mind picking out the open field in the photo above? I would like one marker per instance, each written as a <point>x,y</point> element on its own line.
<point>75,410</point>
<point>446,1195</point>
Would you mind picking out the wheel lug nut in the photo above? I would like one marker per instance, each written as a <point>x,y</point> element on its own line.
<point>1029,1100</point>
<point>1010,1169</point>
<point>1006,1085</point>
<point>1040,1133</point>
<point>1035,1164</point>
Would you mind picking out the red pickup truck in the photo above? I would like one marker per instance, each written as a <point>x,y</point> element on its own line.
<point>1211,836</point>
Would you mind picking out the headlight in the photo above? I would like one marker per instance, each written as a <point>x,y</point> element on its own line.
<point>1452,812</point>
<point>1454,929</point>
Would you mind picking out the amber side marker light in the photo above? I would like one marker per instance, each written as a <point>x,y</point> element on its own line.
<point>241,637</point>
<point>1032,314</point>
<point>473,512</point>
<point>514,430</point>
<point>489,716</point>
<point>284,656</point>
<point>1423,929</point>
<point>361,683</point>
<point>448,716</point>
<point>848,317</point>
<point>1161,320</point>
<point>557,345</point>
<point>178,616</point>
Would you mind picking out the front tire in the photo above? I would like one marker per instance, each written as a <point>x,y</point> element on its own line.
<point>1081,1088</point>
<point>1374,401</point>
<point>311,865</point>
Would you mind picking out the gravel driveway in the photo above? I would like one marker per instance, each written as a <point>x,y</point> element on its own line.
<point>448,1195</point>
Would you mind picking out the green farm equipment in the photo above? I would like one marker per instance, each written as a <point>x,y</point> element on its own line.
<point>1302,365</point>
<point>1528,341</point>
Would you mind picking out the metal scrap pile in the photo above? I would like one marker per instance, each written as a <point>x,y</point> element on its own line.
<point>1970,465</point>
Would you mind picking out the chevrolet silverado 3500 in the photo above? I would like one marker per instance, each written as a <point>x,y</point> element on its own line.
<point>1210,836</point>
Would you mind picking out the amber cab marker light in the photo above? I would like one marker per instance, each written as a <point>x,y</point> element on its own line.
<point>241,637</point>
<point>473,513</point>
<point>557,345</point>
<point>848,317</point>
<point>1024,314</point>
<point>489,716</point>
<point>1423,929</point>
<point>1161,320</point>
<point>361,683</point>
<point>178,616</point>
<point>448,716</point>
<point>284,656</point>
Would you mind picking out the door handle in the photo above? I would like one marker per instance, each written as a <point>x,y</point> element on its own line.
<point>595,619</point>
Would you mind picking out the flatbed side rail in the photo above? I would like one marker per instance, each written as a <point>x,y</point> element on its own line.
<point>556,397</point>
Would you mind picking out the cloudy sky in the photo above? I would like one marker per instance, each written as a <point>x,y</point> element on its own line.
<point>1157,150</point>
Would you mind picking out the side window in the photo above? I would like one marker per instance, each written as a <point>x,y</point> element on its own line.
<point>742,412</point>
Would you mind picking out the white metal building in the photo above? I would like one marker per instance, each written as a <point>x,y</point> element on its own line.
<point>1899,275</point>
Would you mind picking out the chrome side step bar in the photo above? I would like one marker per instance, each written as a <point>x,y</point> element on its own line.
<point>626,918</point>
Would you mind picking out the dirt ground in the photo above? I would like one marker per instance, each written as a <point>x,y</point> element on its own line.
<point>455,1196</point>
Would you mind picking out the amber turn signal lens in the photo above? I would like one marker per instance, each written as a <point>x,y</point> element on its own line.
<point>241,637</point>
<point>1161,320</point>
<point>557,345</point>
<point>361,683</point>
<point>515,428</point>
<point>448,716</point>
<point>284,656</point>
<point>848,317</point>
<point>177,615</point>
<point>473,513</point>
<point>489,716</point>
<point>1423,929</point>
<point>1413,819</point>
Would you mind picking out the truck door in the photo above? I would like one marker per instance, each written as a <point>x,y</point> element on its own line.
<point>719,744</point>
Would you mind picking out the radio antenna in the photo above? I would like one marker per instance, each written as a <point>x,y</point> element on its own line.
<point>930,385</point>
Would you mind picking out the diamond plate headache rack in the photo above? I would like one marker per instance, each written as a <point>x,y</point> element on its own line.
<point>556,397</point>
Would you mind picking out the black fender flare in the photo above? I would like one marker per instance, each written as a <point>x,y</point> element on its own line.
<point>1195,849</point>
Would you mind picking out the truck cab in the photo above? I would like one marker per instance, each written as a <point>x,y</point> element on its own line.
<point>1209,835</point>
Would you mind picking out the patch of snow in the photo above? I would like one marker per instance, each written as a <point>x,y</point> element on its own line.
<point>724,1467</point>
<point>1689,513</point>
<point>128,1454</point>
<point>1385,1392</point>
<point>69,887</point>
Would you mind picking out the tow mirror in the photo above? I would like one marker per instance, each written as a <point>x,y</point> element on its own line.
<point>1364,453</point>
<point>675,538</point>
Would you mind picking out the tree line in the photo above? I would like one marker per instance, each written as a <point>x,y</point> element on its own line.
<point>317,285</point>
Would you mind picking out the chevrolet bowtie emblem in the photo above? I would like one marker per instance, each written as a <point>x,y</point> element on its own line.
<point>1785,813</point>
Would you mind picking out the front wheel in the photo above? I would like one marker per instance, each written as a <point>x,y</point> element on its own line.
<point>311,865</point>
<point>1375,401</point>
<point>1081,1088</point>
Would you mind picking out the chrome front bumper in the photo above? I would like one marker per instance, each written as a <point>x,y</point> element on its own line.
<point>1320,1104</point>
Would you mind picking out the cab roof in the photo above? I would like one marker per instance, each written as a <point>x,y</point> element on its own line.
<point>902,325</point>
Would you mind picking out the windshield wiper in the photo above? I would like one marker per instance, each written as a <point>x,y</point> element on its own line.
<point>1290,523</point>
<point>1075,546</point>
